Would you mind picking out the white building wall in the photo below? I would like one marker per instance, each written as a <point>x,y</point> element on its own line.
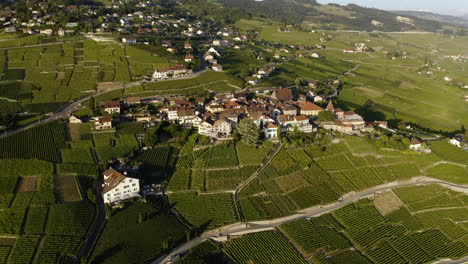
<point>127,189</point>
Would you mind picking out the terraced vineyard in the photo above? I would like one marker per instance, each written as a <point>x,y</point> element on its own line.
<point>406,234</point>
<point>263,248</point>
<point>314,175</point>
<point>218,209</point>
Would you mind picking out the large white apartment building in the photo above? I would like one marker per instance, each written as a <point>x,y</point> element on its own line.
<point>118,187</point>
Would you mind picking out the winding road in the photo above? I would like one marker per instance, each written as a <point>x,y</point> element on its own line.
<point>259,226</point>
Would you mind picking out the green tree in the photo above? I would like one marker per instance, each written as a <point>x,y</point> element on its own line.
<point>326,116</point>
<point>151,138</point>
<point>248,131</point>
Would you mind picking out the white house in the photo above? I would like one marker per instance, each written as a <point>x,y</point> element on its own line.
<point>129,40</point>
<point>118,187</point>
<point>171,72</point>
<point>104,122</point>
<point>415,145</point>
<point>217,67</point>
<point>270,131</point>
<point>455,142</point>
<point>74,120</point>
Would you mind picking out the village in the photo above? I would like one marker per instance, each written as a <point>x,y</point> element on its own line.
<point>276,114</point>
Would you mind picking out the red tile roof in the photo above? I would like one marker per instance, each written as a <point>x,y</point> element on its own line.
<point>308,106</point>
<point>112,179</point>
<point>112,104</point>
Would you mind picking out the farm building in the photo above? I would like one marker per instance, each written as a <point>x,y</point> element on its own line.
<point>118,186</point>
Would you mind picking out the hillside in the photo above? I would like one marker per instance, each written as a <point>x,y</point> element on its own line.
<point>453,20</point>
<point>310,15</point>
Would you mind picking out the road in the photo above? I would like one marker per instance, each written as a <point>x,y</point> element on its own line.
<point>258,226</point>
<point>96,229</point>
<point>66,110</point>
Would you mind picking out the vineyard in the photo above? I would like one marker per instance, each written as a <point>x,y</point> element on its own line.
<point>314,175</point>
<point>217,209</point>
<point>68,189</point>
<point>264,247</point>
<point>145,232</point>
<point>41,142</point>
<point>402,236</point>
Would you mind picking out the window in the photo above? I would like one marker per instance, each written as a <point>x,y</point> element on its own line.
<point>117,189</point>
<point>130,180</point>
<point>108,194</point>
<point>126,186</point>
<point>134,184</point>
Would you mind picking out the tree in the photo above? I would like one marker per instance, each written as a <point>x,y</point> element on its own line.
<point>326,116</point>
<point>150,138</point>
<point>248,131</point>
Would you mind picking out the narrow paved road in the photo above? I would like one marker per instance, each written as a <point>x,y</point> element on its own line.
<point>96,229</point>
<point>258,226</point>
<point>66,110</point>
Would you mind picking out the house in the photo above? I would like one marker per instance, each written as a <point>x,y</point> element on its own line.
<point>315,55</point>
<point>187,46</point>
<point>318,98</point>
<point>171,72</point>
<point>118,186</point>
<point>188,58</point>
<point>288,109</point>
<point>348,51</point>
<point>455,142</point>
<point>336,126</point>
<point>74,120</point>
<point>104,122</point>
<point>253,81</point>
<point>270,131</point>
<point>129,40</point>
<point>47,32</point>
<point>217,67</point>
<point>220,128</point>
<point>61,32</point>
<point>282,94</point>
<point>133,100</point>
<point>381,124</point>
<point>415,145</point>
<point>351,118</point>
<point>10,29</point>
<point>290,123</point>
<point>309,109</point>
<point>112,107</point>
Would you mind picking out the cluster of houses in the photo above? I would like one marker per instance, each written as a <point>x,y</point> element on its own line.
<point>218,117</point>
